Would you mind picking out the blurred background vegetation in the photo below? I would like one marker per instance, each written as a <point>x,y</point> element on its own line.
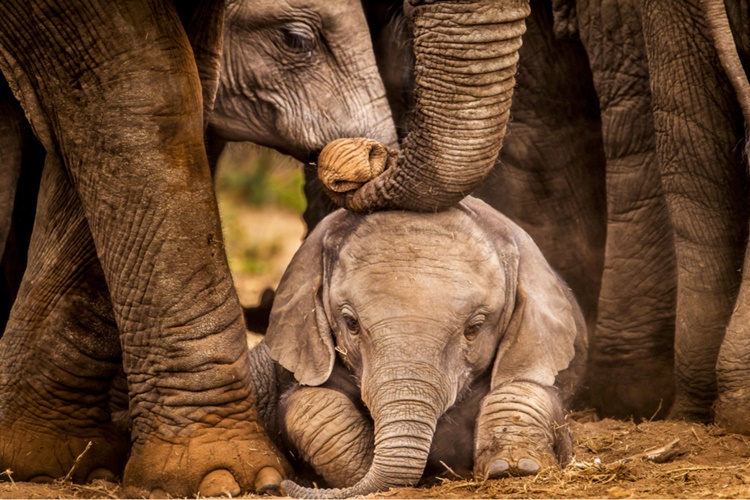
<point>260,176</point>
<point>261,203</point>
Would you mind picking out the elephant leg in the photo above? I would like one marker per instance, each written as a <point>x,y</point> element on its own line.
<point>20,174</point>
<point>520,429</point>
<point>550,174</point>
<point>267,387</point>
<point>732,408</point>
<point>11,145</point>
<point>699,127</point>
<point>60,352</point>
<point>630,363</point>
<point>330,433</point>
<point>116,90</point>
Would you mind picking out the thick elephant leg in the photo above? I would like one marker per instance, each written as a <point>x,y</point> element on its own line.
<point>699,129</point>
<point>520,429</point>
<point>732,408</point>
<point>330,433</point>
<point>630,363</point>
<point>116,90</point>
<point>550,174</point>
<point>60,352</point>
<point>11,147</point>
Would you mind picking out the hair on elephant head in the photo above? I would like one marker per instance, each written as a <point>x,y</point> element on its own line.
<point>421,338</point>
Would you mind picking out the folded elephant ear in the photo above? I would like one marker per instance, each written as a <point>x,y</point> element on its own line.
<point>544,327</point>
<point>299,335</point>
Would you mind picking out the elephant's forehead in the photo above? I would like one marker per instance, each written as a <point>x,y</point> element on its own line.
<point>419,254</point>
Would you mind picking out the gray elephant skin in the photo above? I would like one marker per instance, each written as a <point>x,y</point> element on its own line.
<point>72,337</point>
<point>401,341</point>
<point>127,270</point>
<point>625,163</point>
<point>635,190</point>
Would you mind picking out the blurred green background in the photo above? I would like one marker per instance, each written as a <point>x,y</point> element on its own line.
<point>261,200</point>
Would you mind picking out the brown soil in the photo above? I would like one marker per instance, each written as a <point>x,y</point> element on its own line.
<point>705,462</point>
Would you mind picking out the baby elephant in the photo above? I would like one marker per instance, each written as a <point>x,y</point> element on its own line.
<point>419,339</point>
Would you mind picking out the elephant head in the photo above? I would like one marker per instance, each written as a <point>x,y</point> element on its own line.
<point>298,74</point>
<point>418,306</point>
<point>465,54</point>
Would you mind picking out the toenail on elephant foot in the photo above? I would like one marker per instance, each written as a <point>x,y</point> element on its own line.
<point>219,483</point>
<point>527,467</point>
<point>498,469</point>
<point>268,482</point>
<point>501,468</point>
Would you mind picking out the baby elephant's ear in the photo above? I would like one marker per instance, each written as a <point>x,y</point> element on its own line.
<point>545,330</point>
<point>299,335</point>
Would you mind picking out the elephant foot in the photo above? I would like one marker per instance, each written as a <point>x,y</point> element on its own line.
<point>520,430</point>
<point>38,452</point>
<point>732,411</point>
<point>212,461</point>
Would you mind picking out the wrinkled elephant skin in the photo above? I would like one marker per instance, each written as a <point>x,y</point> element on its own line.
<point>438,324</point>
<point>626,162</point>
<point>127,269</point>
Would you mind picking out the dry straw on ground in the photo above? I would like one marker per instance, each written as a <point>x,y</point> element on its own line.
<point>613,459</point>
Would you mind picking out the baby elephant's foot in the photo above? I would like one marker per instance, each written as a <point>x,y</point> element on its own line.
<point>519,432</point>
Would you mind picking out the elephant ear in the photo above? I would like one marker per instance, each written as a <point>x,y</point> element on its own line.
<point>543,325</point>
<point>299,334</point>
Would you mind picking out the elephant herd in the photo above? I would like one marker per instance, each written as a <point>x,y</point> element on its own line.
<point>623,157</point>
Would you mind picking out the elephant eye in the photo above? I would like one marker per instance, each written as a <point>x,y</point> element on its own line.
<point>298,38</point>
<point>472,329</point>
<point>352,324</point>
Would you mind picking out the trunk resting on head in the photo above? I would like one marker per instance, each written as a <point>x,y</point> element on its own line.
<point>465,64</point>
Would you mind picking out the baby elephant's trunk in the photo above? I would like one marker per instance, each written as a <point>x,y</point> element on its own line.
<point>405,410</point>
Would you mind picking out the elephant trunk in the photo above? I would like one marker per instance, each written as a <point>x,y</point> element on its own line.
<point>405,411</point>
<point>465,64</point>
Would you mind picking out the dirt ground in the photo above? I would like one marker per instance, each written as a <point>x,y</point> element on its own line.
<point>613,459</point>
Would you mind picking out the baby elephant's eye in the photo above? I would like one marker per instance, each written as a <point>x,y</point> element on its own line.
<point>472,329</point>
<point>351,324</point>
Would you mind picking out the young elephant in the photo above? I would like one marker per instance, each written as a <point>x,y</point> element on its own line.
<point>418,339</point>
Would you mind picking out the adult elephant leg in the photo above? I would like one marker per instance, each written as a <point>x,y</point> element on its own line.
<point>20,173</point>
<point>116,89</point>
<point>550,174</point>
<point>699,126</point>
<point>631,351</point>
<point>11,146</point>
<point>732,408</point>
<point>60,352</point>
